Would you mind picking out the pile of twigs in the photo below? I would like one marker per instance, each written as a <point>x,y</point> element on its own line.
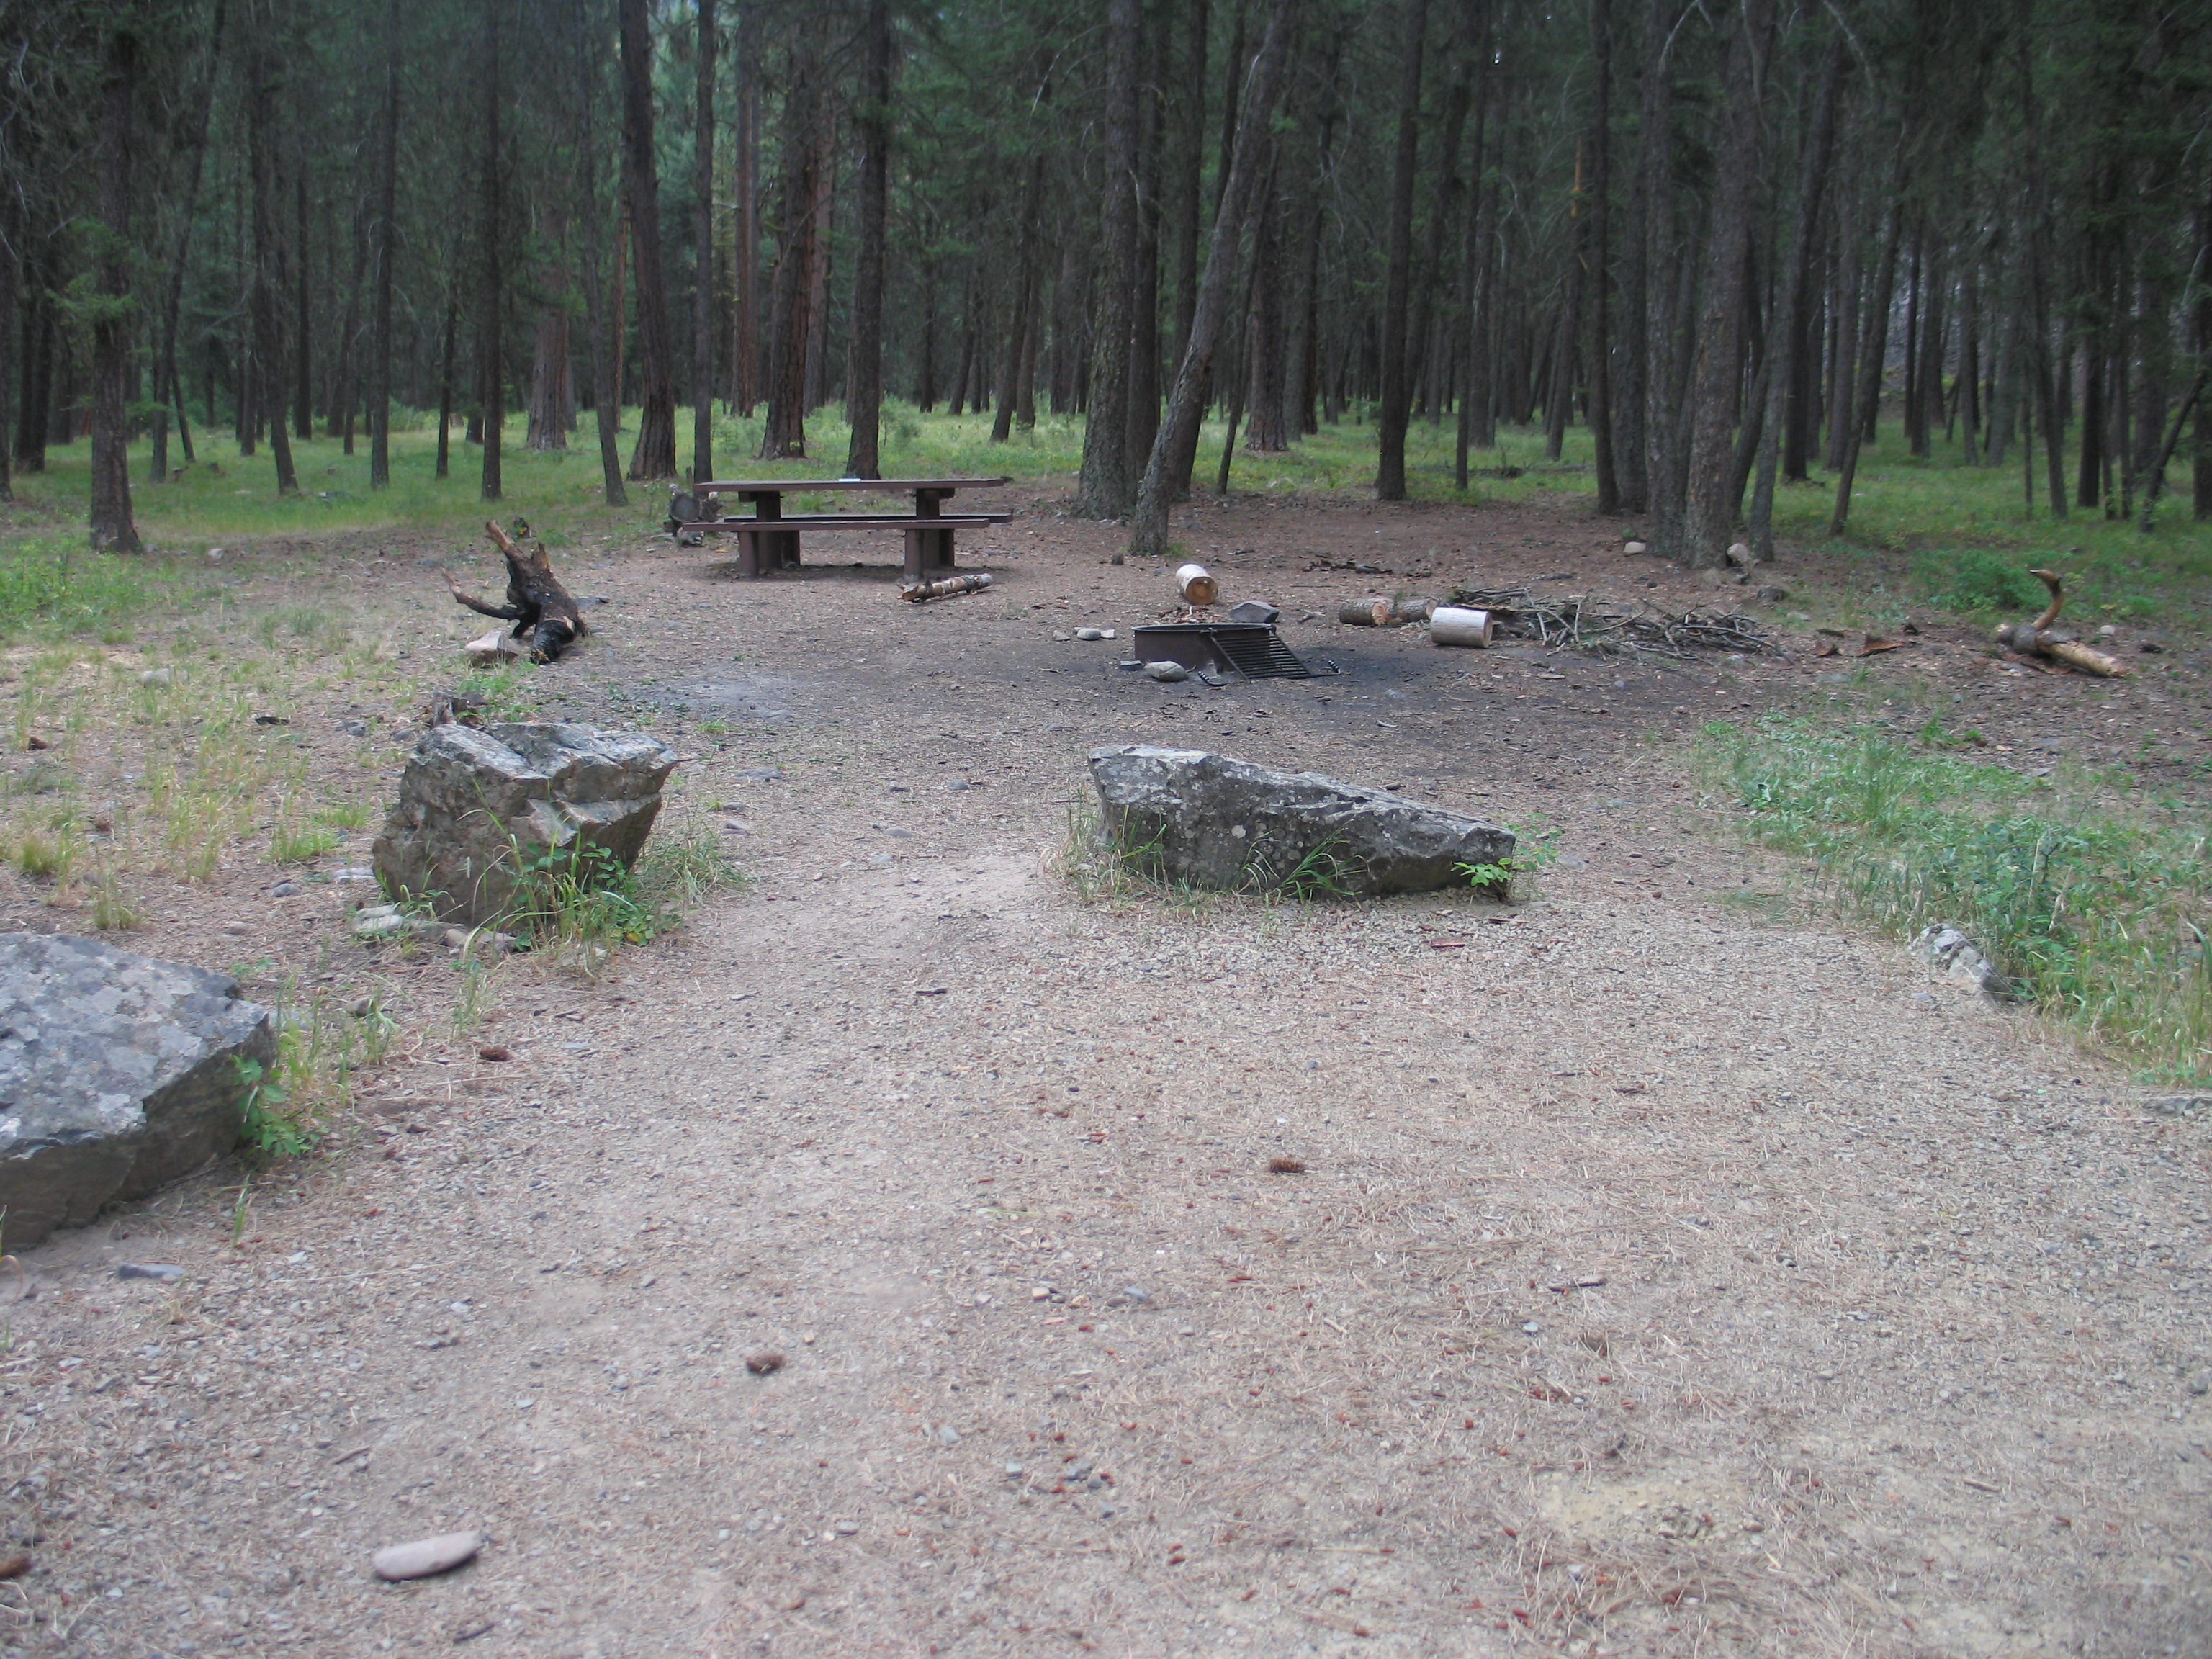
<point>1563,622</point>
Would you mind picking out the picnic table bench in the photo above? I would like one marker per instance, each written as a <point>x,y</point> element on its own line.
<point>768,540</point>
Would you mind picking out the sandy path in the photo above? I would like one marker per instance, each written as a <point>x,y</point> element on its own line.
<point>1663,1280</point>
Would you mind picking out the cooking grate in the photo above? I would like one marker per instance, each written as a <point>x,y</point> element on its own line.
<point>1253,649</point>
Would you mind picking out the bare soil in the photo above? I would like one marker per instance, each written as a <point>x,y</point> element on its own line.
<point>1672,1270</point>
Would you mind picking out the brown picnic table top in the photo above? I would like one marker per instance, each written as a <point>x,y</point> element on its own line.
<point>749,488</point>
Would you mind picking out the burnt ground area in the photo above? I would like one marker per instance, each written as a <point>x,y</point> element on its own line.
<point>1672,1270</point>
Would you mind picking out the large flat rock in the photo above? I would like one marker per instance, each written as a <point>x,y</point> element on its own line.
<point>476,806</point>
<point>1214,821</point>
<point>117,1074</point>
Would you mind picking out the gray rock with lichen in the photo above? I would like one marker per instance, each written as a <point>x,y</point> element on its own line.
<point>476,807</point>
<point>119,1074</point>
<point>1214,821</point>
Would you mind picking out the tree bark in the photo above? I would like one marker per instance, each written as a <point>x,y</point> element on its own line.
<point>303,397</point>
<point>1175,451</point>
<point>864,399</point>
<point>387,231</point>
<point>606,403</point>
<point>1874,345</point>
<point>1395,403</point>
<point>745,346</point>
<point>1716,492</point>
<point>1266,432</point>
<point>491,355</point>
<point>1107,487</point>
<point>1657,261</point>
<point>267,376</point>
<point>1600,240</point>
<point>446,385</point>
<point>790,323</point>
<point>112,527</point>
<point>1024,324</point>
<point>1144,289</point>
<point>654,454</point>
<point>1189,167</point>
<point>703,256</point>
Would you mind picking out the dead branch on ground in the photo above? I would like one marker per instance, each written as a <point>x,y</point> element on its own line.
<point>2039,639</point>
<point>1565,623</point>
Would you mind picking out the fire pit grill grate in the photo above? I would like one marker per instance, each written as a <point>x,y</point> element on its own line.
<point>1252,649</point>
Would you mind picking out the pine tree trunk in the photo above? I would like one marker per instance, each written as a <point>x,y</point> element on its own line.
<point>1144,291</point>
<point>303,401</point>
<point>703,258</point>
<point>1662,417</point>
<point>446,386</point>
<point>1024,324</point>
<point>1107,487</point>
<point>1189,167</point>
<point>11,367</point>
<point>865,397</point>
<point>1175,451</point>
<point>112,527</point>
<point>267,376</point>
<point>599,326</point>
<point>1266,431</point>
<point>1396,399</point>
<point>790,322</point>
<point>1865,400</point>
<point>653,456</point>
<point>387,188</point>
<point>491,345</point>
<point>744,347</point>
<point>818,310</point>
<point>1601,243</point>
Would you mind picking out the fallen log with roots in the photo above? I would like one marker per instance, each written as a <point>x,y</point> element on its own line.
<point>2038,638</point>
<point>536,604</point>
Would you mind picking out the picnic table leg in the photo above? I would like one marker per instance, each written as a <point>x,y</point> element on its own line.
<point>928,551</point>
<point>749,554</point>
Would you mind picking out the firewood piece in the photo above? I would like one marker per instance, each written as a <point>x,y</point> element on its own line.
<point>944,587</point>
<point>536,604</point>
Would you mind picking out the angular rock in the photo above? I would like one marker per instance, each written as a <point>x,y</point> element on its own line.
<point>118,1074</point>
<point>1214,821</point>
<point>426,1556</point>
<point>476,807</point>
<point>1951,956</point>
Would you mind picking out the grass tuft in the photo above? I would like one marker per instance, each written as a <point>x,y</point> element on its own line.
<point>2097,914</point>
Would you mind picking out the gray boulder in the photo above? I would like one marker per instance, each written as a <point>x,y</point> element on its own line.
<point>118,1074</point>
<point>1214,821</point>
<point>476,807</point>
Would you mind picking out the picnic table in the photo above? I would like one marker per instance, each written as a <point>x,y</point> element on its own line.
<point>768,540</point>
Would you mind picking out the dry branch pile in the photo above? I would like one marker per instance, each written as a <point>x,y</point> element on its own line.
<point>539,607</point>
<point>1565,623</point>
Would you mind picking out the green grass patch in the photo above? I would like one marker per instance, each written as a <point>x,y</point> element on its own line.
<point>2100,914</point>
<point>53,587</point>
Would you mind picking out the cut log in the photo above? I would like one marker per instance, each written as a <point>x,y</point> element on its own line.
<point>2039,639</point>
<point>944,587</point>
<point>536,604</point>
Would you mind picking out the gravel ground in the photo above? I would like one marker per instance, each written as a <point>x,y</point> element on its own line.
<point>1668,1272</point>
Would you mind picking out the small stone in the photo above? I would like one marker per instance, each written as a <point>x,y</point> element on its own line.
<point>160,1270</point>
<point>762,775</point>
<point>284,890</point>
<point>1739,553</point>
<point>157,677</point>
<point>15,1564</point>
<point>1632,549</point>
<point>1531,1328</point>
<point>947,1435</point>
<point>494,1052</point>
<point>1167,671</point>
<point>764,1363</point>
<point>360,1007</point>
<point>1062,635</point>
<point>1105,633</point>
<point>846,1528</point>
<point>1089,633</point>
<point>1774,593</point>
<point>353,872</point>
<point>1589,1281</point>
<point>1135,1293</point>
<point>1013,1471</point>
<point>427,1556</point>
<point>1040,1293</point>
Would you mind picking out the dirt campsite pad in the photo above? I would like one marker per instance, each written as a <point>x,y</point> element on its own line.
<point>927,1252</point>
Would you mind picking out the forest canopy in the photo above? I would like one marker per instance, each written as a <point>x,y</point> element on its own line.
<point>1727,241</point>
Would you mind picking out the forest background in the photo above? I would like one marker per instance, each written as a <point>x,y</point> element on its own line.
<point>1931,274</point>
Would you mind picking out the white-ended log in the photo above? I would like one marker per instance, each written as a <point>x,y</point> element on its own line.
<point>1197,587</point>
<point>1454,624</point>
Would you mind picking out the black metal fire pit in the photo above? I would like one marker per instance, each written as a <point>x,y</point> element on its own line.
<point>1252,649</point>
